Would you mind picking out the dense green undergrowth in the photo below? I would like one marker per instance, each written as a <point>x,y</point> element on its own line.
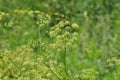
<point>45,50</point>
<point>48,41</point>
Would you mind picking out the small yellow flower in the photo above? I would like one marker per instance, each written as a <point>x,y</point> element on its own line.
<point>75,26</point>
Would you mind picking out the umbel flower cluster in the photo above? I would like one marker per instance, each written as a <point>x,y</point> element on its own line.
<point>64,34</point>
<point>21,65</point>
<point>37,50</point>
<point>113,64</point>
<point>88,74</point>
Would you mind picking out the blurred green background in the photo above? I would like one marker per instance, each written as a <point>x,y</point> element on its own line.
<point>99,19</point>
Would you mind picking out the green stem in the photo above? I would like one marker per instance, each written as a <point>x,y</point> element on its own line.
<point>65,53</point>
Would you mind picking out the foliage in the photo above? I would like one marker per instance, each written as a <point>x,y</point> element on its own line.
<point>59,40</point>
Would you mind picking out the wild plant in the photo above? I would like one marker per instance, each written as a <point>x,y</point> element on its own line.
<point>47,54</point>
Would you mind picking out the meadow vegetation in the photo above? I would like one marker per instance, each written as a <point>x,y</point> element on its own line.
<point>59,40</point>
